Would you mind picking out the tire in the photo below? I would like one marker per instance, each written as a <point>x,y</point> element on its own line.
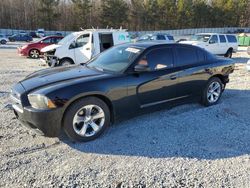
<point>211,96</point>
<point>66,62</point>
<point>34,54</point>
<point>3,41</point>
<point>81,127</point>
<point>229,53</point>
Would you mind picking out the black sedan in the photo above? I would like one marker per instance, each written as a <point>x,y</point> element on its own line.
<point>122,81</point>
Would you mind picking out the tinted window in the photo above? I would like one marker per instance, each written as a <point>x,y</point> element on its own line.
<point>186,56</point>
<point>231,38</point>
<point>160,37</point>
<point>160,58</point>
<point>170,37</point>
<point>214,39</point>
<point>47,41</point>
<point>222,39</point>
<point>200,55</point>
<point>55,40</point>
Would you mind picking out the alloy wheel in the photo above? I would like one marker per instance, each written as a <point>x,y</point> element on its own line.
<point>89,120</point>
<point>214,92</point>
<point>34,54</point>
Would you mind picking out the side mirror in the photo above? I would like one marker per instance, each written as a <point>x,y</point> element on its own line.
<point>211,42</point>
<point>141,68</point>
<point>72,45</point>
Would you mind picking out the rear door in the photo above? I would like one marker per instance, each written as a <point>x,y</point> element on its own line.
<point>191,74</point>
<point>223,44</point>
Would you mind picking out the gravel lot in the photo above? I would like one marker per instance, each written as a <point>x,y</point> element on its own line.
<point>187,146</point>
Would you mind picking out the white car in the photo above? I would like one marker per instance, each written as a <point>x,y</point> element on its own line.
<point>248,62</point>
<point>3,39</point>
<point>79,47</point>
<point>157,37</point>
<point>215,43</point>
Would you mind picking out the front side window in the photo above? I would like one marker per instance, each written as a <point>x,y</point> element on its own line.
<point>115,59</point>
<point>47,41</point>
<point>199,37</point>
<point>160,37</point>
<point>158,59</point>
<point>214,39</point>
<point>82,40</point>
<point>222,39</point>
<point>186,56</point>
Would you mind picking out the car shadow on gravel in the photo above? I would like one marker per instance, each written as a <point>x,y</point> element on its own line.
<point>187,131</point>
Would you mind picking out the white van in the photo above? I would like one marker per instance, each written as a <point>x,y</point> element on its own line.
<point>79,47</point>
<point>215,43</point>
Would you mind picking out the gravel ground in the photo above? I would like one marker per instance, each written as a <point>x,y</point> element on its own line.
<point>187,146</point>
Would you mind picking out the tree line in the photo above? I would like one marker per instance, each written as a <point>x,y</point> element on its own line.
<point>135,15</point>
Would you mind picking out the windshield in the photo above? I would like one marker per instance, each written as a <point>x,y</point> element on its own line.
<point>202,38</point>
<point>115,59</point>
<point>66,39</point>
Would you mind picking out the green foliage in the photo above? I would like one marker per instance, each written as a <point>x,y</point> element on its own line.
<point>48,12</point>
<point>114,13</point>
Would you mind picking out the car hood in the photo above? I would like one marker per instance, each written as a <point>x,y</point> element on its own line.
<point>50,48</point>
<point>191,42</point>
<point>56,75</point>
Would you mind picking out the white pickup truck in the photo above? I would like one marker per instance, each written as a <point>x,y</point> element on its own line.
<point>215,43</point>
<point>79,47</point>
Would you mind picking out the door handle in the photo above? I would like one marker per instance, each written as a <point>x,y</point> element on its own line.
<point>173,77</point>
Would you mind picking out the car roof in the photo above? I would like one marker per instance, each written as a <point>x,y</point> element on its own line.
<point>149,44</point>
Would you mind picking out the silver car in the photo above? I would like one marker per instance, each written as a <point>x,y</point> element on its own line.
<point>3,39</point>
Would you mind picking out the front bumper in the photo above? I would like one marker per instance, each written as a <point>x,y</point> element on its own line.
<point>51,60</point>
<point>22,52</point>
<point>47,122</point>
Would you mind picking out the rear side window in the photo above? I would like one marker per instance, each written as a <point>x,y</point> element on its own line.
<point>231,38</point>
<point>170,37</point>
<point>160,58</point>
<point>187,56</point>
<point>160,37</point>
<point>222,39</point>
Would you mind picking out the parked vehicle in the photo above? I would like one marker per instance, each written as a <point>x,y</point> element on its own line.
<point>218,44</point>
<point>40,33</point>
<point>79,47</point>
<point>33,34</point>
<point>122,81</point>
<point>33,50</point>
<point>19,37</point>
<point>3,39</point>
<point>248,62</point>
<point>158,37</point>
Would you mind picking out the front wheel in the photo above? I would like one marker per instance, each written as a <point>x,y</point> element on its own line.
<point>66,62</point>
<point>34,54</point>
<point>212,92</point>
<point>86,119</point>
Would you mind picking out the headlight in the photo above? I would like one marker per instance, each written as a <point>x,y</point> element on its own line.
<point>40,101</point>
<point>25,46</point>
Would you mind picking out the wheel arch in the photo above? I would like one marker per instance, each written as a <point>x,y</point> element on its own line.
<point>66,58</point>
<point>224,79</point>
<point>34,49</point>
<point>97,95</point>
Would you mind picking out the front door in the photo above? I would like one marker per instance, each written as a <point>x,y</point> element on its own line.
<point>83,47</point>
<point>213,45</point>
<point>157,85</point>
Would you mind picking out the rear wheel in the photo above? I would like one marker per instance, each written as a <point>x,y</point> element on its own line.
<point>34,54</point>
<point>3,41</point>
<point>229,53</point>
<point>86,119</point>
<point>212,92</point>
<point>66,62</point>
